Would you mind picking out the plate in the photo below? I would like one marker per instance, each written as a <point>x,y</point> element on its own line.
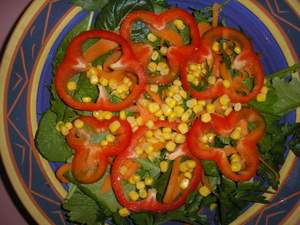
<point>26,75</point>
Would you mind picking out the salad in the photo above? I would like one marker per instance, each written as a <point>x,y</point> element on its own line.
<point>158,114</point>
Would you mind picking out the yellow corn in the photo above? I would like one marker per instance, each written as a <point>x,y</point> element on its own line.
<point>236,166</point>
<point>71,85</point>
<point>183,167</point>
<point>211,80</point>
<point>183,128</point>
<point>155,55</point>
<point>228,111</point>
<point>104,143</point>
<point>86,99</point>
<point>133,195</point>
<point>184,183</point>
<point>94,79</point>
<point>123,115</point>
<point>154,88</point>
<point>163,50</point>
<point>153,107</point>
<point>179,24</point>
<point>191,103</point>
<point>171,102</point>
<point>179,138</point>
<point>186,116</point>
<point>264,90</point>
<point>205,118</point>
<point>236,134</point>
<point>188,175</point>
<point>69,125</point>
<point>139,151</point>
<point>107,115</point>
<point>197,108</point>
<point>237,50</point>
<point>114,126</point>
<point>172,117</point>
<point>123,170</point>
<point>124,212</point>
<point>179,110</point>
<point>143,193</point>
<point>113,84</point>
<point>163,165</point>
<point>237,106</point>
<point>150,124</point>
<point>149,149</point>
<point>151,37</point>
<point>140,185</point>
<point>64,130</point>
<point>183,94</point>
<point>110,138</point>
<point>216,46</point>
<point>204,191</point>
<point>191,164</point>
<point>149,180</point>
<point>149,133</point>
<point>261,97</point>
<point>103,81</point>
<point>204,139</point>
<point>235,158</point>
<point>177,83</point>
<point>161,66</point>
<point>226,83</point>
<point>159,113</point>
<point>210,108</point>
<point>92,71</point>
<point>224,100</point>
<point>152,67</point>
<point>210,137</point>
<point>59,125</point>
<point>170,146</point>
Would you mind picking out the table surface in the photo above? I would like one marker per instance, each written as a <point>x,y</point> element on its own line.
<point>10,11</point>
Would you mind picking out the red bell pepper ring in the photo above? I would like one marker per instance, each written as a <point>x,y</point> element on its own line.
<point>74,63</point>
<point>150,204</point>
<point>245,147</point>
<point>246,62</point>
<point>157,23</point>
<point>91,159</point>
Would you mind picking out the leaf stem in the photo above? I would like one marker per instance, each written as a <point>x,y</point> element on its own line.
<point>284,72</point>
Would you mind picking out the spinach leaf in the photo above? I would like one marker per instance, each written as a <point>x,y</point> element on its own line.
<point>49,141</point>
<point>113,13</point>
<point>90,5</point>
<point>139,32</point>
<point>85,89</point>
<point>119,220</point>
<point>285,72</point>
<point>142,218</point>
<point>294,145</point>
<point>161,183</point>
<point>210,168</point>
<point>98,137</point>
<point>82,209</point>
<point>148,168</point>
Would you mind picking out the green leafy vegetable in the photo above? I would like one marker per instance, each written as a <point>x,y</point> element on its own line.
<point>97,138</point>
<point>112,14</point>
<point>90,5</point>
<point>161,183</point>
<point>148,168</point>
<point>85,88</point>
<point>142,218</point>
<point>50,142</point>
<point>82,209</point>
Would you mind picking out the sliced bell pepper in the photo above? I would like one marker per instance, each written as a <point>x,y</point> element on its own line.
<point>150,203</point>
<point>245,145</point>
<point>90,157</point>
<point>158,25</point>
<point>74,63</point>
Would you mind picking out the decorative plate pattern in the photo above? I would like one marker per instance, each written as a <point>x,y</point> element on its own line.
<point>26,75</point>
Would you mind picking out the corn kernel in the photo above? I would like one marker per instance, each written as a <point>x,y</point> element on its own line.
<point>114,126</point>
<point>179,138</point>
<point>64,130</point>
<point>216,46</point>
<point>205,118</point>
<point>237,50</point>
<point>179,110</point>
<point>197,108</point>
<point>94,79</point>
<point>113,84</point>
<point>163,50</point>
<point>236,167</point>
<point>152,66</point>
<point>155,55</point>
<point>237,106</point>
<point>171,102</point>
<point>131,180</point>
<point>204,191</point>
<point>224,100</point>
<point>151,37</point>
<point>150,124</point>
<point>154,88</point>
<point>139,121</point>
<point>195,82</point>
<point>163,165</point>
<point>59,125</point>
<point>69,125</point>
<point>133,195</point>
<point>183,128</point>
<point>161,66</point>
<point>211,80</point>
<point>188,175</point>
<point>213,206</point>
<point>140,185</point>
<point>124,212</point>
<point>159,113</point>
<point>236,134</point>
<point>123,170</point>
<point>110,138</point>
<point>92,71</point>
<point>183,167</point>
<point>149,180</point>
<point>86,99</point>
<point>104,143</point>
<point>184,183</point>
<point>99,67</point>
<point>71,85</point>
<point>139,151</point>
<point>136,178</point>
<point>143,193</point>
<point>210,137</point>
<point>204,139</point>
<point>107,115</point>
<point>227,111</point>
<point>149,149</point>
<point>235,158</point>
<point>191,103</point>
<point>226,83</point>
<point>170,146</point>
<point>261,97</point>
<point>186,116</point>
<point>179,24</point>
<point>122,115</point>
<point>191,164</point>
<point>177,83</point>
<point>172,117</point>
<point>183,94</point>
<point>153,107</point>
<point>210,108</point>
<point>103,81</point>
<point>149,133</point>
<point>264,90</point>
